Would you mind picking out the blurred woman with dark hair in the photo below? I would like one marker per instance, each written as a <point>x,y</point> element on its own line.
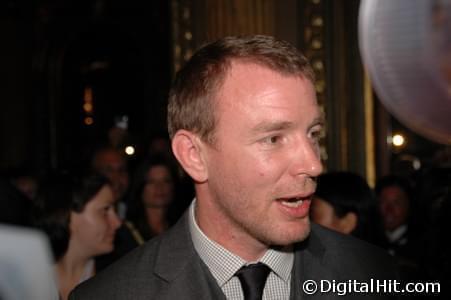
<point>344,202</point>
<point>80,219</point>
<point>152,205</point>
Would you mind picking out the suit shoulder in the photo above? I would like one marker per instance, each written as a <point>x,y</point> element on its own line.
<point>120,278</point>
<point>346,251</point>
<point>332,237</point>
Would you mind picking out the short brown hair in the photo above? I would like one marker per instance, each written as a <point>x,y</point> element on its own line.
<point>191,97</point>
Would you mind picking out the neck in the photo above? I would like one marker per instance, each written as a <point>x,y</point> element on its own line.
<point>70,269</point>
<point>219,228</point>
<point>156,218</point>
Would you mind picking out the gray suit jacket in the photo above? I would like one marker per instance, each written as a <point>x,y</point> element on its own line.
<point>168,267</point>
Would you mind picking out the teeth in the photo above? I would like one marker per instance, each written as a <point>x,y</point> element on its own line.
<point>296,203</point>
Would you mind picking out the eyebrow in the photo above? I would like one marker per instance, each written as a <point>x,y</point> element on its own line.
<point>318,121</point>
<point>266,126</point>
<point>272,126</point>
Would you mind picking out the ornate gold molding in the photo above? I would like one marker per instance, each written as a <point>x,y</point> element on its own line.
<point>182,35</point>
<point>370,156</point>
<point>314,38</point>
<point>236,17</point>
<point>198,21</point>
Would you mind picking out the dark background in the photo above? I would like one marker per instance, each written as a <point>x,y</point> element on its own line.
<point>118,49</point>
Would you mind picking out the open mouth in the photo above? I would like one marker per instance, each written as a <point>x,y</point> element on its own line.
<point>293,202</point>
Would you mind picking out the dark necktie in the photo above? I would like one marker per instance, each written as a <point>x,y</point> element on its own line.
<point>253,278</point>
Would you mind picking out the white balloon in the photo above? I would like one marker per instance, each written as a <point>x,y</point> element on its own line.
<point>406,48</point>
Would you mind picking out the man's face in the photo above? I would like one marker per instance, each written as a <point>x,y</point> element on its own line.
<point>394,206</point>
<point>263,164</point>
<point>112,165</point>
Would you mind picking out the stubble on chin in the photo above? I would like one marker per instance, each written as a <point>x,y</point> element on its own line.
<point>282,237</point>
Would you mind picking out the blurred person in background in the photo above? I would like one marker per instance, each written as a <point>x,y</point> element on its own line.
<point>25,181</point>
<point>159,144</point>
<point>436,259</point>
<point>402,238</point>
<point>394,195</point>
<point>112,163</point>
<point>14,205</point>
<point>154,206</point>
<point>79,217</point>
<point>344,202</point>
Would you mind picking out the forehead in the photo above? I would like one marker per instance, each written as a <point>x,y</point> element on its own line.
<point>104,196</point>
<point>158,170</point>
<point>109,158</point>
<point>253,89</point>
<point>393,192</point>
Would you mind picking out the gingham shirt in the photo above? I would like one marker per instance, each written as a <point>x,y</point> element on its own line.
<point>223,265</point>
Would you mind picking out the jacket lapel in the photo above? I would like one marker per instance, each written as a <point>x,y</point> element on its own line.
<point>178,264</point>
<point>309,264</point>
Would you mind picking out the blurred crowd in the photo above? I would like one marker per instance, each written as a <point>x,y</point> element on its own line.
<point>406,215</point>
<point>96,213</point>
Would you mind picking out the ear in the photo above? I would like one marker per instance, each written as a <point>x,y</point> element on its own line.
<point>188,151</point>
<point>348,223</point>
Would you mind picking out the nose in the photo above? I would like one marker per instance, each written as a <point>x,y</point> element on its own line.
<point>115,221</point>
<point>387,209</point>
<point>306,160</point>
